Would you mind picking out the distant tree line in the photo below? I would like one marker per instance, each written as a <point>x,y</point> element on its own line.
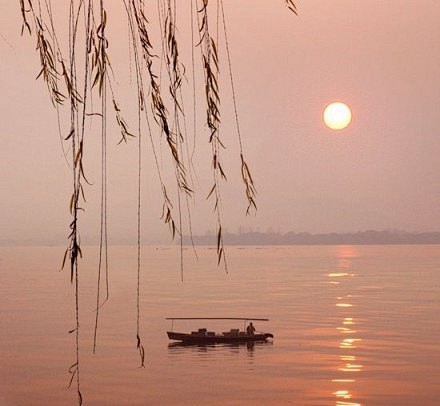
<point>368,237</point>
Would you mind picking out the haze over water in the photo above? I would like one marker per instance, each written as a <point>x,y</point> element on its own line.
<point>352,325</point>
<point>380,57</point>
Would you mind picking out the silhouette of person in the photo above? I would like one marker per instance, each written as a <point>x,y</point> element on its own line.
<point>250,330</point>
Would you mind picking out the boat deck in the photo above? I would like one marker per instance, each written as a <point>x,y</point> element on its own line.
<point>211,337</point>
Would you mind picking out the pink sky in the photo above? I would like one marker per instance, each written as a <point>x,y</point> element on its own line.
<point>380,57</point>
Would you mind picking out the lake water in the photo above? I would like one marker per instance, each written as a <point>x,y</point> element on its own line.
<point>352,325</point>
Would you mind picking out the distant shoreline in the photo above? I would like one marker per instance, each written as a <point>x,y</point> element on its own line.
<point>369,237</point>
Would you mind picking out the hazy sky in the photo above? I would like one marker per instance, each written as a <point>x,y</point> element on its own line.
<point>381,57</point>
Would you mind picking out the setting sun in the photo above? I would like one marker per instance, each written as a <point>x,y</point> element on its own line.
<point>337,116</point>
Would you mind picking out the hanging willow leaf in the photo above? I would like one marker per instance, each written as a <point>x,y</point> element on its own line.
<point>222,173</point>
<point>73,369</point>
<point>249,185</point>
<point>71,203</point>
<point>25,23</point>
<point>72,132</point>
<point>211,191</point>
<point>220,250</point>
<point>140,347</point>
<point>125,134</point>
<point>219,237</point>
<point>64,258</point>
<point>291,6</point>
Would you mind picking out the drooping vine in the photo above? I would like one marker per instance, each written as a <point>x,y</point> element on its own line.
<point>99,71</point>
<point>245,172</point>
<point>210,64</point>
<point>77,70</point>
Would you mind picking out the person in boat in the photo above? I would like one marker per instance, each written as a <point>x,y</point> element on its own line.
<point>250,330</point>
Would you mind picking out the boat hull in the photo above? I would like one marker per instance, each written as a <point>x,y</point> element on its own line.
<point>217,338</point>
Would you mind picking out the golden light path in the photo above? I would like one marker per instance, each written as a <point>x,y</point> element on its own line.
<point>349,364</point>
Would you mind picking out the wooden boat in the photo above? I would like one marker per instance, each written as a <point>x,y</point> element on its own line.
<point>203,336</point>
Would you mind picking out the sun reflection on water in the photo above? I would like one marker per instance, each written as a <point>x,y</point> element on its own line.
<point>346,395</point>
<point>345,330</point>
<point>349,343</point>
<point>349,365</point>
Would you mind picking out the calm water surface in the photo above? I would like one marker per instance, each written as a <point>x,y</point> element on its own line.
<point>353,325</point>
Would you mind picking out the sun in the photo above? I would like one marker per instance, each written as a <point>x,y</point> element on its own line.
<point>337,116</point>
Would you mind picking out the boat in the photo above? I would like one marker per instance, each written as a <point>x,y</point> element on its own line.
<point>204,336</point>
